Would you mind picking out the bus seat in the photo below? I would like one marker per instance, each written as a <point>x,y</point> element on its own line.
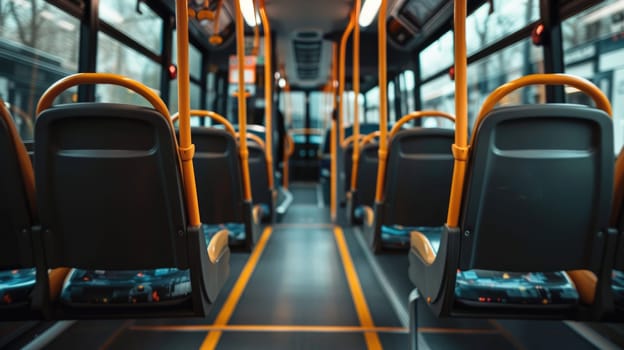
<point>219,184</point>
<point>416,189</point>
<point>261,194</point>
<point>18,216</point>
<point>586,280</point>
<point>538,181</point>
<point>110,191</point>
<point>260,191</point>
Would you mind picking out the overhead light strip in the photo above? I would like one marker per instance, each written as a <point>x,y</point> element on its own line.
<point>249,12</point>
<point>369,12</point>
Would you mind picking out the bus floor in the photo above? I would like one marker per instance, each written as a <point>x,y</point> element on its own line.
<point>309,284</point>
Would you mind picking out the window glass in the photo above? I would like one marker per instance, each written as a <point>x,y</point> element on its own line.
<point>495,20</point>
<point>113,57</point>
<point>439,95</point>
<point>144,27</point>
<point>292,104</point>
<point>195,57</point>
<point>372,105</point>
<point>35,52</point>
<point>437,56</point>
<point>320,110</point>
<point>484,76</point>
<point>391,99</point>
<point>409,90</point>
<point>593,47</point>
<point>348,107</point>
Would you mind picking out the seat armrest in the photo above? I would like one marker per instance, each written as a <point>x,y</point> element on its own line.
<point>585,282</point>
<point>218,246</point>
<point>369,215</point>
<point>422,247</point>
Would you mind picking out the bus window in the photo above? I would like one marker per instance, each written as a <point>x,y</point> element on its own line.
<point>320,110</point>
<point>391,98</point>
<point>145,27</point>
<point>113,57</point>
<point>593,44</point>
<point>296,109</point>
<point>348,107</point>
<point>372,106</point>
<point>437,56</point>
<point>195,61</point>
<point>36,52</point>
<point>438,94</point>
<point>490,72</point>
<point>495,20</point>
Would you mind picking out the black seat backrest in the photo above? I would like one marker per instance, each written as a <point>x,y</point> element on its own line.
<point>418,177</point>
<point>617,215</point>
<point>217,169</point>
<point>538,189</point>
<point>258,174</point>
<point>109,188</point>
<point>367,174</point>
<point>17,198</point>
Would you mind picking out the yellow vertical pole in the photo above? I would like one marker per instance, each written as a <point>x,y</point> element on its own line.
<point>341,78</point>
<point>242,103</point>
<point>383,100</point>
<point>268,92</point>
<point>186,148</point>
<point>356,92</point>
<point>332,140</point>
<point>460,147</point>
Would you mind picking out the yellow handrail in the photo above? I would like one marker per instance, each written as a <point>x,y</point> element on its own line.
<point>419,114</point>
<point>58,87</point>
<point>383,99</point>
<point>215,38</point>
<point>349,140</point>
<point>242,104</point>
<point>584,85</point>
<point>460,147</point>
<point>333,179</point>
<point>356,92</point>
<point>268,92</point>
<point>341,77</point>
<point>255,138</point>
<point>209,114</point>
<point>369,138</point>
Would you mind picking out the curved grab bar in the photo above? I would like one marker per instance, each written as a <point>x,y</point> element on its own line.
<point>584,85</point>
<point>255,138</point>
<point>57,88</point>
<point>417,115</point>
<point>212,115</point>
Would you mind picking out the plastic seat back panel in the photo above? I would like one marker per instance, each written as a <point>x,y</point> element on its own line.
<point>15,212</point>
<point>109,186</point>
<point>539,186</point>
<point>418,177</point>
<point>217,169</point>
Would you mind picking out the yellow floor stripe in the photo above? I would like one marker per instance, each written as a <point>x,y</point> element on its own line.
<point>212,339</point>
<point>271,328</point>
<point>372,339</point>
<point>307,328</point>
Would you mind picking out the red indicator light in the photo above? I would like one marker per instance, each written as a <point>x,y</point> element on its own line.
<point>537,36</point>
<point>155,296</point>
<point>452,73</point>
<point>173,71</point>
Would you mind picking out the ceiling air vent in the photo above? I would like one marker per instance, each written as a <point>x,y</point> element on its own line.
<point>308,49</point>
